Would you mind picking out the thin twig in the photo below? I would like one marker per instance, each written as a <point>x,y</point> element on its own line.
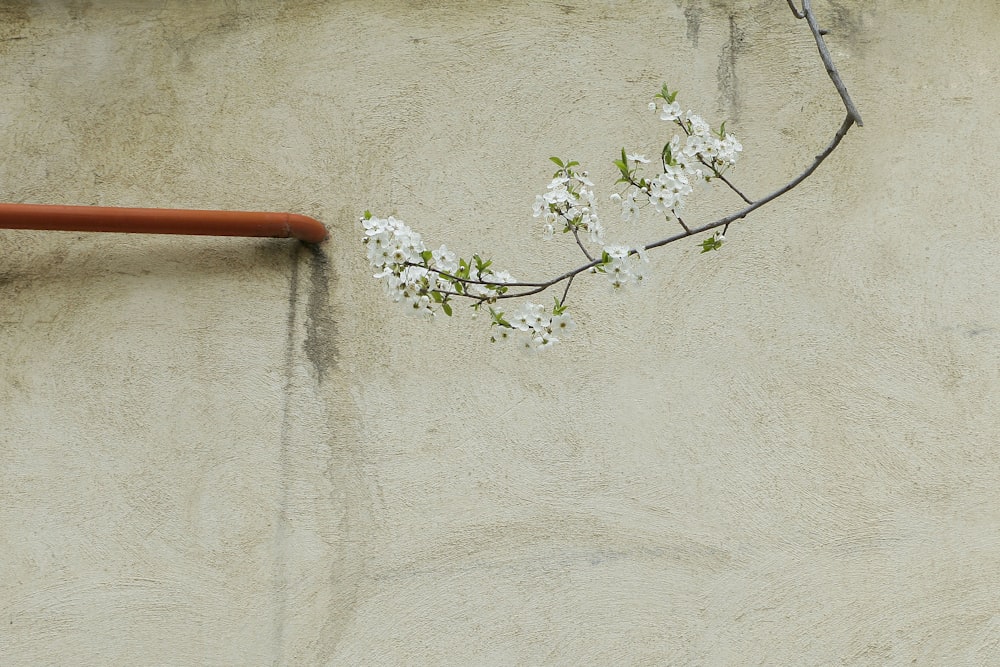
<point>824,53</point>
<point>732,187</point>
<point>576,235</point>
<point>795,10</point>
<point>566,291</point>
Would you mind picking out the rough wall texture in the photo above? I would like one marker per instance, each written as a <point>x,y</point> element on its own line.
<point>226,451</point>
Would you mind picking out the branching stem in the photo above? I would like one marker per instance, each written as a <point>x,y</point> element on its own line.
<point>721,222</point>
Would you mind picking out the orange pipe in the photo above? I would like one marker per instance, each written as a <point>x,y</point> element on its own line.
<point>160,221</point>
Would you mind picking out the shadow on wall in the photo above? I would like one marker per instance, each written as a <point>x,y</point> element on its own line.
<point>59,281</point>
<point>88,257</point>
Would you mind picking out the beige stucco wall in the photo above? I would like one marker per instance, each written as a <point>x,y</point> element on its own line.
<point>235,452</point>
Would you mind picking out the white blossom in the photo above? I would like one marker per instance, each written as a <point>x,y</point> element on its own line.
<point>445,260</point>
<point>630,209</point>
<point>671,111</point>
<point>562,324</point>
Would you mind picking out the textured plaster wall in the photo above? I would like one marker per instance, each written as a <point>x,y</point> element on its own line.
<point>234,452</point>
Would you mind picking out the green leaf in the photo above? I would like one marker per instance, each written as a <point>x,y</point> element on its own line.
<point>482,264</point>
<point>711,243</point>
<point>498,319</point>
<point>368,215</point>
<point>426,255</point>
<point>446,307</point>
<point>666,95</point>
<point>437,296</point>
<point>557,161</point>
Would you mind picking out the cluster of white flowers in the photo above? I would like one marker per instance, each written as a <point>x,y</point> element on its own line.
<point>392,246</point>
<point>569,204</point>
<point>531,327</point>
<point>700,155</point>
<point>419,278</point>
<point>425,280</point>
<point>718,150</point>
<point>668,190</point>
<point>624,264</point>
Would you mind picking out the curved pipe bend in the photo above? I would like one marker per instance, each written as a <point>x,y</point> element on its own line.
<point>161,221</point>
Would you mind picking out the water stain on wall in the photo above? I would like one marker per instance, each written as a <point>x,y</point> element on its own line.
<point>13,23</point>
<point>320,334</point>
<point>692,15</point>
<point>729,88</point>
<point>78,8</point>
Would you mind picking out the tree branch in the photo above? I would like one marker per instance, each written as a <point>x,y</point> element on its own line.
<point>853,117</point>
<point>725,221</point>
<point>824,53</point>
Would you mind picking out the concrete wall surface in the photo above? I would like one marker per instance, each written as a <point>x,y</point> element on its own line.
<point>225,451</point>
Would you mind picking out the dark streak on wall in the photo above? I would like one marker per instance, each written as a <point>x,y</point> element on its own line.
<point>319,343</point>
<point>692,14</point>
<point>729,90</point>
